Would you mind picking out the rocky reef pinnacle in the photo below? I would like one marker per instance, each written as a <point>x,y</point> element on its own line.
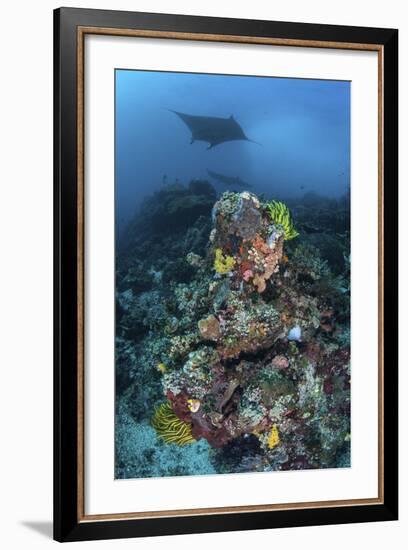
<point>245,338</point>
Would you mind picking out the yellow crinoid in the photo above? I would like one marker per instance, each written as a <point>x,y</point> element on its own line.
<point>280,214</point>
<point>169,426</point>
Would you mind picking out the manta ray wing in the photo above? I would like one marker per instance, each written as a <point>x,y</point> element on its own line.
<point>192,122</point>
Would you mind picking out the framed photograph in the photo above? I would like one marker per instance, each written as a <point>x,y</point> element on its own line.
<point>225,274</point>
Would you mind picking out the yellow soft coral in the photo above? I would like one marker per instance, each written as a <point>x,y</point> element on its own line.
<point>280,214</point>
<point>169,426</point>
<point>162,368</point>
<point>223,264</point>
<point>273,437</point>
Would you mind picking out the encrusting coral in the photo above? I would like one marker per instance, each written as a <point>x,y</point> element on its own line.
<point>169,426</point>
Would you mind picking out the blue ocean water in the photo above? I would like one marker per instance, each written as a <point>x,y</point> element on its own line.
<point>302,126</point>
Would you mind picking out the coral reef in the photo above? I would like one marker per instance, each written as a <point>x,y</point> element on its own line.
<point>241,328</point>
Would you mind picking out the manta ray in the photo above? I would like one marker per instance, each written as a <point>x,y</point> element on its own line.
<point>213,130</point>
<point>228,180</point>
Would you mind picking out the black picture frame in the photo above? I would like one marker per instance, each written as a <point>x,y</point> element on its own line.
<point>68,525</point>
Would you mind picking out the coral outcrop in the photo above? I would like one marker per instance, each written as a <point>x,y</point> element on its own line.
<point>249,346</point>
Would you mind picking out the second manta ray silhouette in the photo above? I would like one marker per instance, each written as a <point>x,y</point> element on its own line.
<point>213,130</point>
<point>234,181</point>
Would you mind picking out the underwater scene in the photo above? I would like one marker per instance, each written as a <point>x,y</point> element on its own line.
<point>232,274</point>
